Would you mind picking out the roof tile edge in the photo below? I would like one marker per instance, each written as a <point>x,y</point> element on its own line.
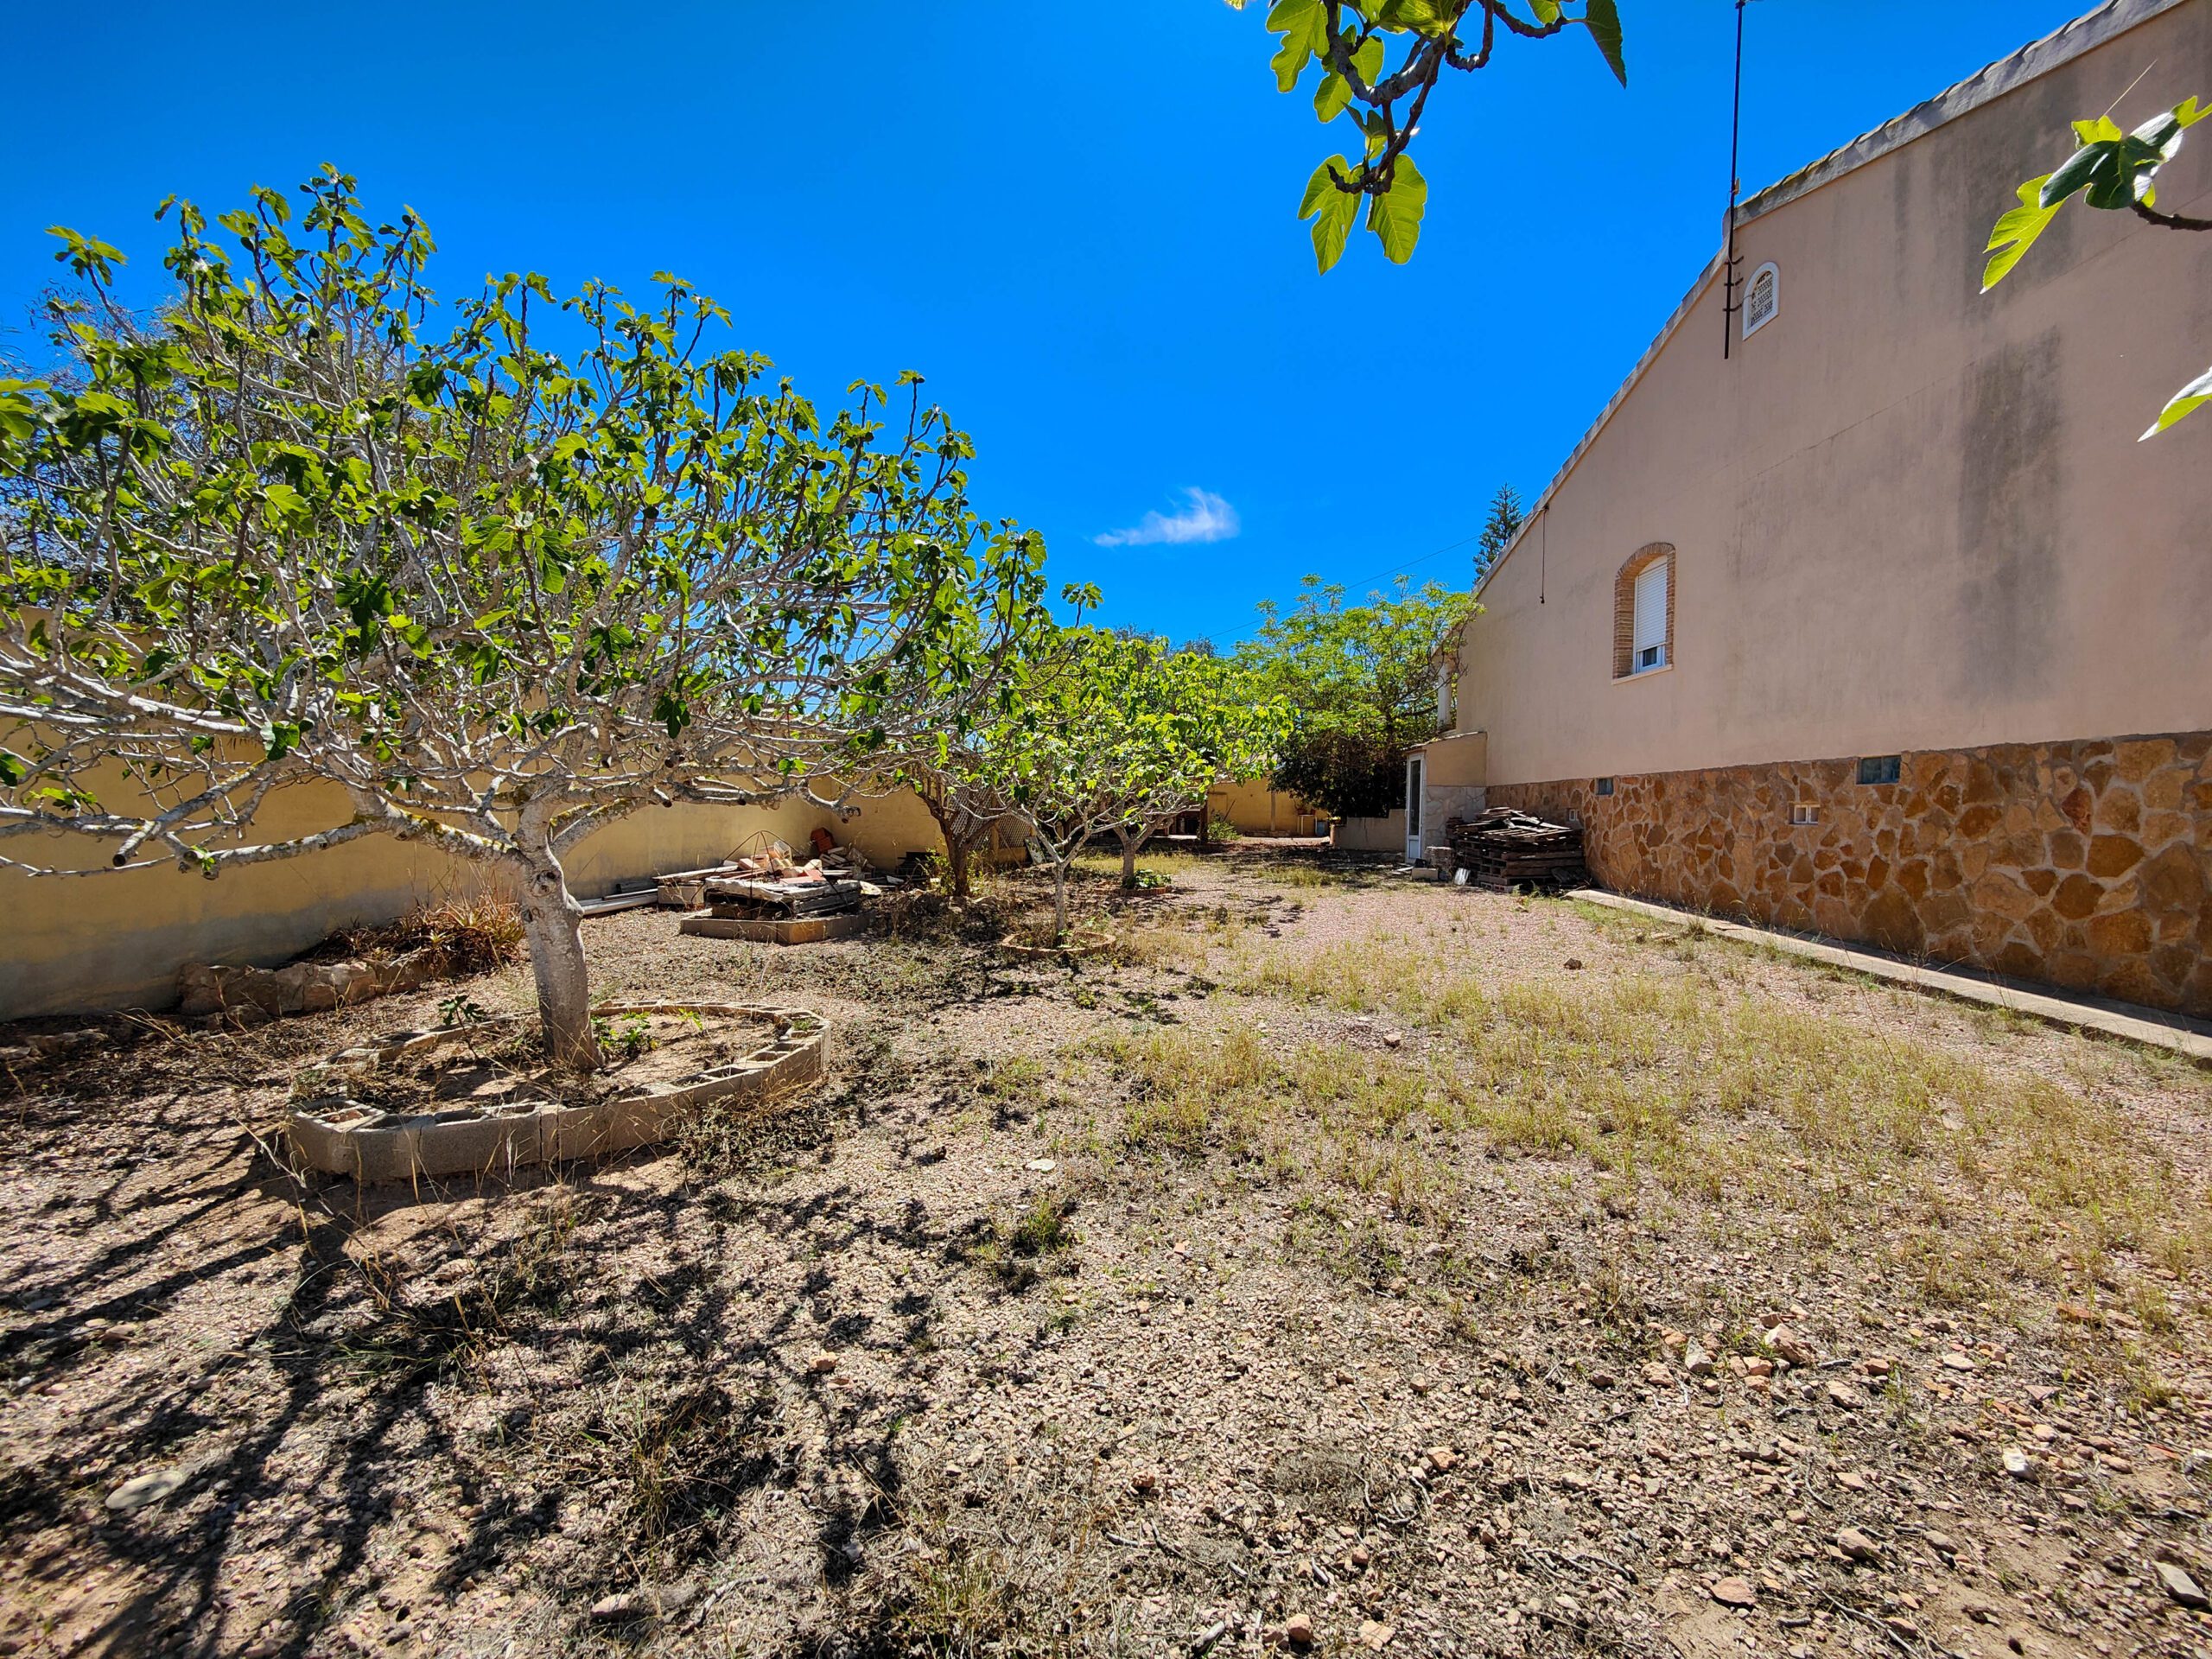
<point>2062,46</point>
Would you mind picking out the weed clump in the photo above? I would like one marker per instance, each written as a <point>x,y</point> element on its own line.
<point>407,1322</point>
<point>1019,1252</point>
<point>678,1457</point>
<point>467,936</point>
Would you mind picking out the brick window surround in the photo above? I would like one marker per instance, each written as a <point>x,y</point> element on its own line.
<point>1625,604</point>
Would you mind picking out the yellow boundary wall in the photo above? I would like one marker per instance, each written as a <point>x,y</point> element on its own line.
<point>1255,809</point>
<point>75,945</point>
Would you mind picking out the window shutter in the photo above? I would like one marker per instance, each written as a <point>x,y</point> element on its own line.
<point>1650,635</point>
<point>1762,299</point>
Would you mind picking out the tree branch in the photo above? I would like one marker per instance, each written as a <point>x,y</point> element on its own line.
<point>2168,221</point>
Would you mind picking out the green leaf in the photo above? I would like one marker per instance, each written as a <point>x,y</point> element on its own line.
<point>13,768</point>
<point>1304,26</point>
<point>1603,19</point>
<point>2161,134</point>
<point>1416,17</point>
<point>1330,97</point>
<point>2112,169</point>
<point>285,502</point>
<point>2194,396</point>
<point>1337,210</point>
<point>1395,216</point>
<point>86,254</point>
<point>1334,94</point>
<point>1378,130</point>
<point>278,738</point>
<point>2016,231</point>
<point>1546,12</point>
<point>2076,171</point>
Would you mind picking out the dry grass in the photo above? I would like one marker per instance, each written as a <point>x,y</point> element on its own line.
<point>1152,945</point>
<point>403,1318</point>
<point>1151,1280</point>
<point>988,1560</point>
<point>675,1454</point>
<point>1156,869</point>
<point>470,936</point>
<point>1028,1247</point>
<point>1975,1174</point>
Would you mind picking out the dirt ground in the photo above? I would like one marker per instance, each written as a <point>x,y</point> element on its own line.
<point>1342,1263</point>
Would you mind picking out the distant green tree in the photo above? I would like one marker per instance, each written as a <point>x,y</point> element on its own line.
<point>967,781</point>
<point>1498,530</point>
<point>1359,680</point>
<point>1115,735</point>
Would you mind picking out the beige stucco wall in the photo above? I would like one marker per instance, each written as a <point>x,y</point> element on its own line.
<point>1383,835</point>
<point>116,939</point>
<point>1906,516</point>
<point>1460,760</point>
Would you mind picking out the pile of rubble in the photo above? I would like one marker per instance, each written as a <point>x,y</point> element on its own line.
<point>251,994</point>
<point>1504,848</point>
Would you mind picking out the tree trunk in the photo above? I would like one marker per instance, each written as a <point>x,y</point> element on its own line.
<point>1205,822</point>
<point>1129,857</point>
<point>1060,901</point>
<point>955,852</point>
<point>553,922</point>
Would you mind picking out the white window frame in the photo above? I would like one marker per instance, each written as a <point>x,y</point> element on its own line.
<point>1640,640</point>
<point>1770,269</point>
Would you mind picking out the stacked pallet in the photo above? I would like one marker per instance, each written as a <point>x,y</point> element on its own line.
<point>1504,848</point>
<point>775,865</point>
<point>791,906</point>
<point>790,895</point>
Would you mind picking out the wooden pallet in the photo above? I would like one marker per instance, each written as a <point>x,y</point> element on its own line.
<point>1503,849</point>
<point>733,896</point>
<point>1505,879</point>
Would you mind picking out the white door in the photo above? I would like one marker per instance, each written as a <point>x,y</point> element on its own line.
<point>1412,811</point>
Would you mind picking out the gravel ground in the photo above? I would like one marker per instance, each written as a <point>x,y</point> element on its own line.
<point>1344,1263</point>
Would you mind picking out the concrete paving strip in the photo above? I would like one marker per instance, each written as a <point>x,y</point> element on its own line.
<point>2176,1031</point>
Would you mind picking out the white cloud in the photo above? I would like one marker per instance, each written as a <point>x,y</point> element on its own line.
<point>1207,518</point>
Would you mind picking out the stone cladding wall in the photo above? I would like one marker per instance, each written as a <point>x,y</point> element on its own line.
<point>2083,864</point>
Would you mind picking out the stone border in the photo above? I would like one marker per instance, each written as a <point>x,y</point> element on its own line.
<point>804,930</point>
<point>2176,1031</point>
<point>337,1135</point>
<point>206,987</point>
<point>1082,942</point>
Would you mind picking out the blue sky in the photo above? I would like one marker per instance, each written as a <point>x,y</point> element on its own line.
<point>1077,221</point>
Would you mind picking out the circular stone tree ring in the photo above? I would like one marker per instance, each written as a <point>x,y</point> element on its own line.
<point>1080,942</point>
<point>522,1121</point>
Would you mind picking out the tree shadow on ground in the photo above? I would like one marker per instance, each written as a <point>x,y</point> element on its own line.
<point>355,1325</point>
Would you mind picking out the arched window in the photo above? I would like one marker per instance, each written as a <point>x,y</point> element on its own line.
<point>1762,298</point>
<point>1643,612</point>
